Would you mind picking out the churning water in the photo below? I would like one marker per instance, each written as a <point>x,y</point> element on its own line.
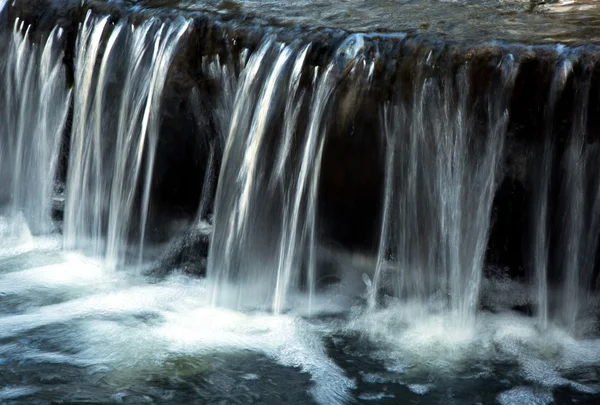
<point>91,313</point>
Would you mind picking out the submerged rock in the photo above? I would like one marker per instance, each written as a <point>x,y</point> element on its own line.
<point>186,253</point>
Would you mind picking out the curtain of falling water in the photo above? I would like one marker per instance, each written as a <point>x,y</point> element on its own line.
<point>541,244</point>
<point>118,87</point>
<point>441,174</point>
<point>238,233</point>
<point>34,101</point>
<point>576,215</point>
<point>264,239</point>
<point>441,167</point>
<point>573,237</point>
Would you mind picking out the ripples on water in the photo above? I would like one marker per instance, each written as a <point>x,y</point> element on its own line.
<point>528,21</point>
<point>70,331</point>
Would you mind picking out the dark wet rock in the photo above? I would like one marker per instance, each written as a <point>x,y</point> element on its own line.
<point>525,309</point>
<point>186,253</point>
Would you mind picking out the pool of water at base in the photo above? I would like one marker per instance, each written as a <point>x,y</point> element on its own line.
<point>71,333</point>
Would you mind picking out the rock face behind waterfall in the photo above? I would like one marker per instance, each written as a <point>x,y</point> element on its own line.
<point>540,101</point>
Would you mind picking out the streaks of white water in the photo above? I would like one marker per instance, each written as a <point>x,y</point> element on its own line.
<point>440,178</point>
<point>390,137</point>
<point>84,178</point>
<point>207,184</point>
<point>541,243</point>
<point>34,103</point>
<point>113,145</point>
<point>292,109</point>
<point>262,114</point>
<point>576,216</point>
<point>249,222</point>
<point>221,253</point>
<point>301,192</point>
<point>3,4</point>
<point>163,61</point>
<point>264,204</point>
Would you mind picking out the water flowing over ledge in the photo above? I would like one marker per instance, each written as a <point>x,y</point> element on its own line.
<point>439,199</point>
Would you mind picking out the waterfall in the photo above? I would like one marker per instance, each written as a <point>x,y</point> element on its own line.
<point>242,226</point>
<point>115,131</point>
<point>315,203</point>
<point>565,205</point>
<point>33,106</point>
<point>264,242</point>
<point>440,178</point>
<point>269,115</point>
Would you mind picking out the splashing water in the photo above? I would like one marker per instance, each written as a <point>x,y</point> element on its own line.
<point>433,324</point>
<point>109,177</point>
<point>33,106</point>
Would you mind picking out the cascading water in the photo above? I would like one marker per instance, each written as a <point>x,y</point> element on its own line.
<point>113,144</point>
<point>264,239</point>
<point>237,239</point>
<point>441,172</point>
<point>342,192</point>
<point>541,247</point>
<point>570,254</point>
<point>33,105</point>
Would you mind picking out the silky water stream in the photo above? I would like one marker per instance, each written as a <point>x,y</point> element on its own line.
<point>85,317</point>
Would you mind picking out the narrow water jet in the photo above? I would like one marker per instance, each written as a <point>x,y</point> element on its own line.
<point>541,244</point>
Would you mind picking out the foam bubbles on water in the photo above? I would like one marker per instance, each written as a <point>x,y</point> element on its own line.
<point>130,325</point>
<point>420,389</point>
<point>525,396</point>
<point>76,272</point>
<point>413,342</point>
<point>374,396</point>
<point>428,338</point>
<point>7,393</point>
<point>123,326</point>
<point>15,235</point>
<point>289,340</point>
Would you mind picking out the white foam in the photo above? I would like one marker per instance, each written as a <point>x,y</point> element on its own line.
<point>73,272</point>
<point>121,324</point>
<point>374,378</point>
<point>413,339</point>
<point>16,392</point>
<point>15,236</point>
<point>367,396</point>
<point>289,340</point>
<point>525,396</point>
<point>130,326</point>
<point>420,389</point>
